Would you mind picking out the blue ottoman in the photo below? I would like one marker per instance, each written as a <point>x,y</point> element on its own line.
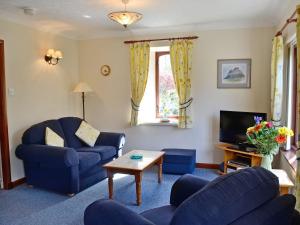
<point>179,161</point>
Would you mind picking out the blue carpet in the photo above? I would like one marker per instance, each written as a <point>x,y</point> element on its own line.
<point>33,206</point>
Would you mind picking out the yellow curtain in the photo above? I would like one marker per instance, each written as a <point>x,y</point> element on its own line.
<point>277,80</point>
<point>298,108</point>
<point>181,61</point>
<point>139,67</point>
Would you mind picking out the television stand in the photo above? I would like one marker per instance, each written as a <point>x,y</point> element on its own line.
<point>232,152</point>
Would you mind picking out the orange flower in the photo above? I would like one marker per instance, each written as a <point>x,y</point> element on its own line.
<point>257,127</point>
<point>280,139</point>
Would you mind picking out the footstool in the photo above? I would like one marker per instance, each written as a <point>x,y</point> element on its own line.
<point>179,161</point>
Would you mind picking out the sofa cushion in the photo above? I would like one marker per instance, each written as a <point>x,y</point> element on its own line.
<point>53,139</point>
<point>87,160</point>
<point>70,125</point>
<point>87,134</point>
<point>228,197</point>
<point>106,152</point>
<point>36,133</point>
<point>161,215</point>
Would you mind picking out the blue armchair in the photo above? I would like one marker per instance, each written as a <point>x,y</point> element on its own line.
<point>68,169</point>
<point>246,197</point>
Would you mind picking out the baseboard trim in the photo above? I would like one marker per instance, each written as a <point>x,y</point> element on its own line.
<point>17,182</point>
<point>207,165</point>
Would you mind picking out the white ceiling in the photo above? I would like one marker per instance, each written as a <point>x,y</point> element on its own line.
<point>66,16</point>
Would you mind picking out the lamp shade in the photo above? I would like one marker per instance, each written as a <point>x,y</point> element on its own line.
<point>82,87</point>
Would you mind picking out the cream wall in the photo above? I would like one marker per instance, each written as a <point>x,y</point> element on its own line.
<point>41,91</point>
<point>108,108</point>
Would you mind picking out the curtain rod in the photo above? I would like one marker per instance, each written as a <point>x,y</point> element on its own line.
<point>288,21</point>
<point>162,39</point>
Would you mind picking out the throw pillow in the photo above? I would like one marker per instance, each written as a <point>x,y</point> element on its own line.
<point>87,134</point>
<point>53,139</point>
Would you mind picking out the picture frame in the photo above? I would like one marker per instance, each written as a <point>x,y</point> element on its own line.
<point>234,73</point>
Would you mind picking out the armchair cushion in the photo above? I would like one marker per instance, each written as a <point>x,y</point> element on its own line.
<point>160,216</point>
<point>87,160</point>
<point>109,212</point>
<point>106,152</point>
<point>229,198</point>
<point>184,187</point>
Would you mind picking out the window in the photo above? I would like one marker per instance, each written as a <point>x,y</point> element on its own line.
<point>160,100</point>
<point>292,95</point>
<point>167,101</point>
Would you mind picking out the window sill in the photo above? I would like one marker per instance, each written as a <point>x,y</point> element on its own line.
<point>174,124</point>
<point>291,157</point>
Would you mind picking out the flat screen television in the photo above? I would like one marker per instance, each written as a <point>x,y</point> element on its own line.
<point>234,124</point>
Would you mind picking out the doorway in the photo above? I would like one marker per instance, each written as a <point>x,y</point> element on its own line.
<point>4,139</point>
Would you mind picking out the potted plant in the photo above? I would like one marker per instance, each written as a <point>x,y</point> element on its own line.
<point>267,139</point>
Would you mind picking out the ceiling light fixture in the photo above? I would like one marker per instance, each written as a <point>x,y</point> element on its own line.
<point>125,17</point>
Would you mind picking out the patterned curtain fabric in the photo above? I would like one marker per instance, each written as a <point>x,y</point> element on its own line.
<point>181,62</point>
<point>139,67</point>
<point>277,80</point>
<point>298,109</point>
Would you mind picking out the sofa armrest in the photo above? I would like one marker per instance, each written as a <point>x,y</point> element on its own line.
<point>184,187</point>
<point>111,139</point>
<point>51,156</point>
<point>104,212</point>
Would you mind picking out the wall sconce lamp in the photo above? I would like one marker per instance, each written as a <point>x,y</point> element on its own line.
<point>52,57</point>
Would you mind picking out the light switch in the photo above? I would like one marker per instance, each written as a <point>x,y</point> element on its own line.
<point>11,91</point>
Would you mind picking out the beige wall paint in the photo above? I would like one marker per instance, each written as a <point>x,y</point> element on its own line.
<point>108,108</point>
<point>41,91</point>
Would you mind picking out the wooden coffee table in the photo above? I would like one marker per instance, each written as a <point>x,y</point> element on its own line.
<point>126,165</point>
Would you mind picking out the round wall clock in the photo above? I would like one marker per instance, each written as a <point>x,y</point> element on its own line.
<point>105,70</point>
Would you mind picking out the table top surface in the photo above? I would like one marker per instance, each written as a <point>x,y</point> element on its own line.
<point>125,162</point>
<point>284,180</point>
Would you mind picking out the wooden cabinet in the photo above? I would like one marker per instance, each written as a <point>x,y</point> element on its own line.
<point>232,154</point>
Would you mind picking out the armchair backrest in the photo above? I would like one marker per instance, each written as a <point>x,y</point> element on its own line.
<point>228,197</point>
<point>36,133</point>
<point>278,211</point>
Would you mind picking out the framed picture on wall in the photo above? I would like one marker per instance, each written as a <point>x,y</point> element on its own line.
<point>234,73</point>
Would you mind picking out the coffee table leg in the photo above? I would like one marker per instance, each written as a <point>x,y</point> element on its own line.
<point>110,184</point>
<point>159,172</point>
<point>138,180</point>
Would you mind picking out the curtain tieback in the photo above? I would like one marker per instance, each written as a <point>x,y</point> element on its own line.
<point>186,104</point>
<point>134,106</point>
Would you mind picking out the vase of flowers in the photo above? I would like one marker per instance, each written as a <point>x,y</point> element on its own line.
<point>267,139</point>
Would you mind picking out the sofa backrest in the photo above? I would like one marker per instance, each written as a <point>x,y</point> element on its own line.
<point>228,197</point>
<point>70,125</point>
<point>36,133</point>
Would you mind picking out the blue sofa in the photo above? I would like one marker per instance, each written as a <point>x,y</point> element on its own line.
<point>68,169</point>
<point>245,197</point>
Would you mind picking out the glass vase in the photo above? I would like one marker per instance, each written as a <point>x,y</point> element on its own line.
<point>266,161</point>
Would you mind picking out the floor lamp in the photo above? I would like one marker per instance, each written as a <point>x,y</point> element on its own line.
<point>82,88</point>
